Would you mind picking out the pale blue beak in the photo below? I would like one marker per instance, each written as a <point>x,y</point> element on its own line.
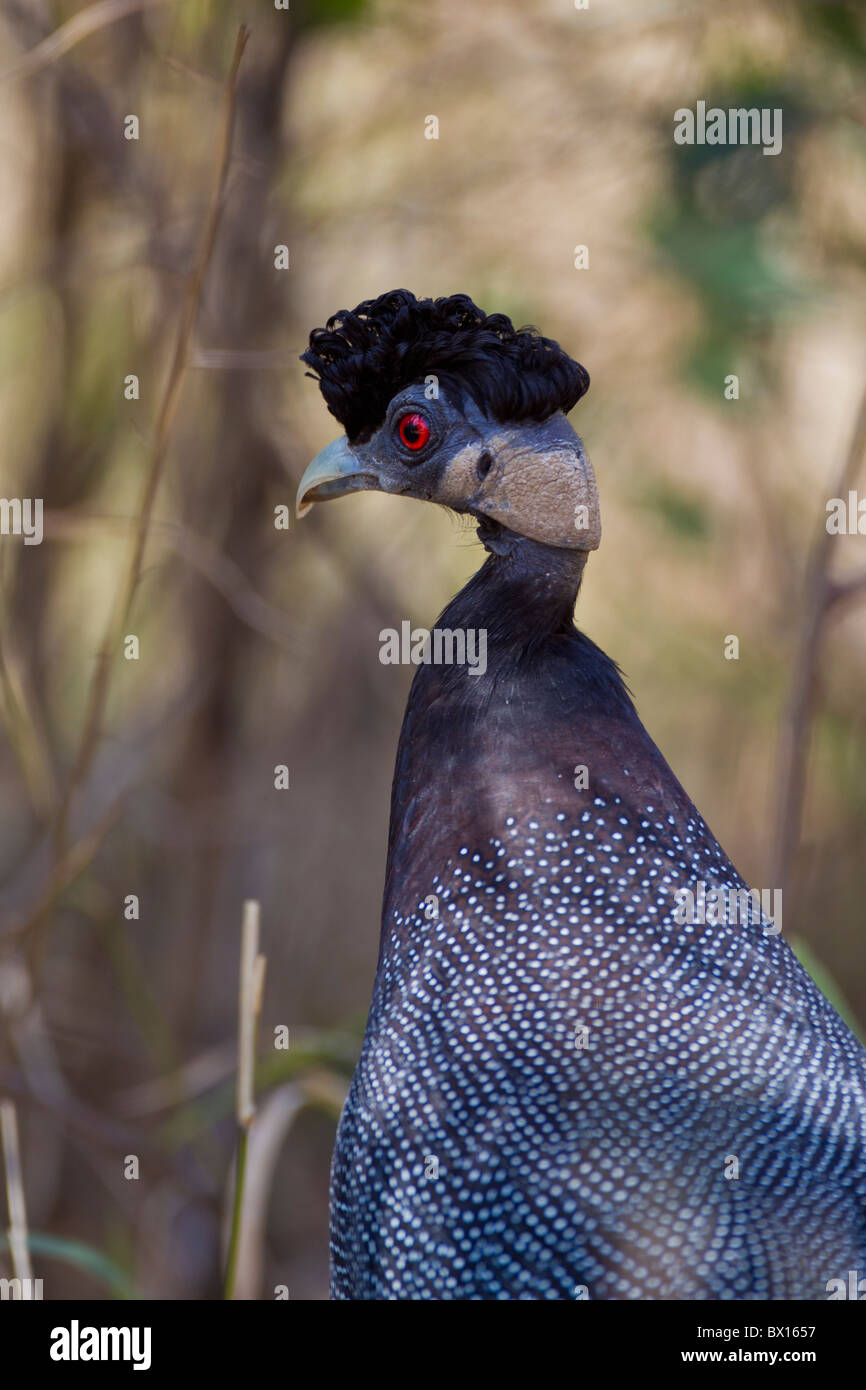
<point>334,472</point>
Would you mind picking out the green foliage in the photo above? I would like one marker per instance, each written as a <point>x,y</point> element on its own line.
<point>715,232</point>
<point>841,23</point>
<point>94,393</point>
<point>316,13</point>
<point>683,515</point>
<point>83,1257</point>
<point>826,984</point>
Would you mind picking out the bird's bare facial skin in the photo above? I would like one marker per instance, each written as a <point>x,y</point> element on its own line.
<point>540,484</point>
<point>407,455</point>
<point>415,446</point>
<point>533,477</point>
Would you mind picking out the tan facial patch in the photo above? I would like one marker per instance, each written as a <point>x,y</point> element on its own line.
<point>540,484</point>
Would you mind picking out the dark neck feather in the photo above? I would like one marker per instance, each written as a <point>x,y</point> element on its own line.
<point>523,593</point>
<point>523,597</point>
<point>476,748</point>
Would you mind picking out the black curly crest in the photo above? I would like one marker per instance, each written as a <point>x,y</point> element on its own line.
<point>363,357</point>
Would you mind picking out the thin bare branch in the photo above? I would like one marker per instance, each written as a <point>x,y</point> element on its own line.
<point>821,592</point>
<point>73,32</point>
<point>28,737</point>
<point>278,1114</point>
<point>67,870</point>
<point>101,682</point>
<point>219,569</point>
<point>250,989</point>
<point>18,1245</point>
<point>241,360</point>
<point>251,983</point>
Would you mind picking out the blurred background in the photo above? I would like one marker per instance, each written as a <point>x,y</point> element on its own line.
<point>138,806</point>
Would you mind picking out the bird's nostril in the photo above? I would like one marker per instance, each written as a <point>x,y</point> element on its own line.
<point>485,463</point>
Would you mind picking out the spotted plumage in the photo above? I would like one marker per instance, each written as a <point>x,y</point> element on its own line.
<point>564,1090</point>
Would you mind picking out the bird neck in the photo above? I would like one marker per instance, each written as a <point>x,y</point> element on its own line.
<point>478,742</point>
<point>524,592</point>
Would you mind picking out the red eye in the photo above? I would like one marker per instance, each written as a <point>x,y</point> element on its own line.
<point>414,431</point>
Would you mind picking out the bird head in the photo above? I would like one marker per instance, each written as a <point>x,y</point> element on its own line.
<point>444,403</point>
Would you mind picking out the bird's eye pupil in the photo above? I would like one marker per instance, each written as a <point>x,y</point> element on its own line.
<point>414,431</point>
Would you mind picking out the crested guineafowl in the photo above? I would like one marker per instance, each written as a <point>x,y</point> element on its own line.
<point>572,1084</point>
